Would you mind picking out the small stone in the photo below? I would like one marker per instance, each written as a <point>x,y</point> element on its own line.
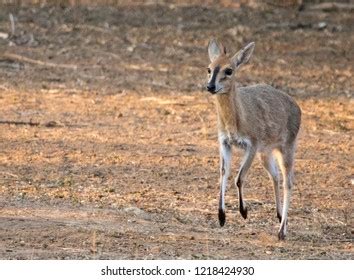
<point>322,25</point>
<point>4,35</point>
<point>130,48</point>
<point>134,210</point>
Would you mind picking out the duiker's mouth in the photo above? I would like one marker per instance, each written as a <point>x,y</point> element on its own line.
<point>212,90</point>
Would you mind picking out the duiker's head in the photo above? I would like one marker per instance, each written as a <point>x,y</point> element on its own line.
<point>221,70</point>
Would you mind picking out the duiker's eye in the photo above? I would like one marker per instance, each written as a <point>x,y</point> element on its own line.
<point>228,71</point>
<point>209,71</point>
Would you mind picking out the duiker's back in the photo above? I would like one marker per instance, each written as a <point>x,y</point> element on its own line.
<point>274,115</point>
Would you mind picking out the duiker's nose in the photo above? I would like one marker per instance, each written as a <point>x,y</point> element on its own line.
<point>211,88</point>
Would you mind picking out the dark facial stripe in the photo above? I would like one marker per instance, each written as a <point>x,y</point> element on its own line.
<point>213,77</point>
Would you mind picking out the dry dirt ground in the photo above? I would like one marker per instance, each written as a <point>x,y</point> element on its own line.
<point>108,144</point>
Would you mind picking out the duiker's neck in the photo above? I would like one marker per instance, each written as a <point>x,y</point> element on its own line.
<point>229,110</point>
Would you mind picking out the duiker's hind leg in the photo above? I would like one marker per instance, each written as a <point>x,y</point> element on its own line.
<point>286,164</point>
<point>245,166</point>
<point>269,163</point>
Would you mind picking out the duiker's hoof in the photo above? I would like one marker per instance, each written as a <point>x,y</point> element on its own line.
<point>222,217</point>
<point>281,235</point>
<point>244,211</point>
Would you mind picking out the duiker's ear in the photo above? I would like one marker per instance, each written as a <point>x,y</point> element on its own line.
<point>243,56</point>
<point>215,49</point>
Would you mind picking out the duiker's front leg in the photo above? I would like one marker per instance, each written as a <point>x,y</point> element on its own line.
<point>245,166</point>
<point>225,165</point>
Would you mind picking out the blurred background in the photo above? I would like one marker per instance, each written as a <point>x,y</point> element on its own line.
<point>108,142</point>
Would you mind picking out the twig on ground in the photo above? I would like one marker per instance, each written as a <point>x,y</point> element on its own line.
<point>12,23</point>
<point>330,7</point>
<point>284,4</point>
<point>30,123</point>
<point>9,174</point>
<point>38,62</point>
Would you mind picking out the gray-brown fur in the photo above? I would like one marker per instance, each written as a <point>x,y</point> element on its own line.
<point>260,119</point>
<point>274,115</point>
